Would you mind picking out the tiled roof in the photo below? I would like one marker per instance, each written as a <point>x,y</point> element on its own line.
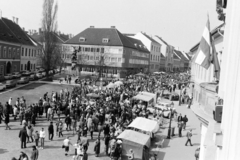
<point>138,44</point>
<point>39,37</point>
<point>17,32</point>
<point>150,38</point>
<point>162,40</point>
<point>179,53</point>
<point>94,36</point>
<point>6,34</point>
<point>176,56</point>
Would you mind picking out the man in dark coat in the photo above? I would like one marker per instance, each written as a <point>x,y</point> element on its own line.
<point>50,131</point>
<point>23,137</point>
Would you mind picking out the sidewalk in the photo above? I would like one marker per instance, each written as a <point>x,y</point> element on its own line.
<point>174,148</point>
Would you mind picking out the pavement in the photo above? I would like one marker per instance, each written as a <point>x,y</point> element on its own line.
<point>173,149</point>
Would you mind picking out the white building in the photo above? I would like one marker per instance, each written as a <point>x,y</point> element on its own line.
<point>155,50</point>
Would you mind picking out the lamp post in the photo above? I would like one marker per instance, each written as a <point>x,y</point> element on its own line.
<point>170,123</point>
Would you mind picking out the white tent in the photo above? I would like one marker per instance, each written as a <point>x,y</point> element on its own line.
<point>110,85</point>
<point>139,143</point>
<point>145,125</point>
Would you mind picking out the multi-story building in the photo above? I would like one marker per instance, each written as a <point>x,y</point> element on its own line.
<point>155,50</point>
<point>184,61</point>
<point>118,54</point>
<point>205,96</point>
<point>167,53</point>
<point>37,38</point>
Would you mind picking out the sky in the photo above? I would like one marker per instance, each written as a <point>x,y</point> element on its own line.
<point>179,22</point>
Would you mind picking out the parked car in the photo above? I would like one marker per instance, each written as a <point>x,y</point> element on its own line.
<point>2,87</point>
<point>39,75</point>
<point>23,80</point>
<point>44,74</point>
<point>16,75</point>
<point>8,76</point>
<point>33,77</point>
<point>26,73</point>
<point>11,83</point>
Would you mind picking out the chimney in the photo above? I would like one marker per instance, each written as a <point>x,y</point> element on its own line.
<point>40,30</point>
<point>113,27</point>
<point>23,29</point>
<point>91,26</point>
<point>0,14</point>
<point>16,20</point>
<point>13,19</point>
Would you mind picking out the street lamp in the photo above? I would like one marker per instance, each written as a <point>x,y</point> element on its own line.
<point>170,123</point>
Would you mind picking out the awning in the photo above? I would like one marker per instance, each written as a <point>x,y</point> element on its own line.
<point>135,137</point>
<point>143,98</point>
<point>145,124</point>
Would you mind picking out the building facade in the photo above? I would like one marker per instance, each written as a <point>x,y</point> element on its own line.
<point>155,50</point>
<point>121,55</point>
<point>205,94</point>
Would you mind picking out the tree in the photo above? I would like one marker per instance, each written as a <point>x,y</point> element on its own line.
<point>51,50</point>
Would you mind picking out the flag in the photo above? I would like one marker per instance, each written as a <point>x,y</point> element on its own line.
<point>203,55</point>
<point>214,61</point>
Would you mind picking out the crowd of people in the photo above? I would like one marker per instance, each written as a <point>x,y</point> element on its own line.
<point>108,112</point>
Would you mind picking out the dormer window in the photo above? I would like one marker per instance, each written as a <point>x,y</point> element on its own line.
<point>135,44</point>
<point>105,40</point>
<point>82,39</point>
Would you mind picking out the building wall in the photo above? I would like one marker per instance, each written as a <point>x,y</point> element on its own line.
<point>28,57</point>
<point>9,54</point>
<point>119,57</point>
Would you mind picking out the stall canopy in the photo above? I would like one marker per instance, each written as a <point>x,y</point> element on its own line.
<point>145,124</point>
<point>144,98</point>
<point>137,142</point>
<point>135,137</point>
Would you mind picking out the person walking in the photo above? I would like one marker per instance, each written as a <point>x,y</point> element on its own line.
<point>30,133</point>
<point>23,137</point>
<point>35,153</point>
<point>106,141</point>
<point>36,137</point>
<point>97,147</point>
<point>189,136</point>
<point>66,143</point>
<point>50,131</point>
<point>49,113</point>
<point>42,137</point>
<point>180,124</point>
<point>185,120</point>
<point>6,118</point>
<point>68,122</point>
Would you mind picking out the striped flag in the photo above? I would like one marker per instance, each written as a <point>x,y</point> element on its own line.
<point>203,56</point>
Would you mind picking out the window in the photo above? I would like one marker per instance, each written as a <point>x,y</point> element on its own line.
<point>22,51</point>
<point>32,53</point>
<point>92,49</point>
<point>97,58</point>
<point>21,67</point>
<point>105,40</point>
<point>26,52</point>
<point>152,47</point>
<point>91,57</point>
<point>119,59</point>
<point>102,50</point>
<point>29,53</point>
<point>4,52</point>
<point>1,70</point>
<point>35,53</point>
<point>97,49</point>
<point>25,66</point>
<point>18,53</point>
<point>14,53</point>
<point>9,52</point>
<point>82,39</point>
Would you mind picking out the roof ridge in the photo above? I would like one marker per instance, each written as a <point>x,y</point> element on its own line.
<point>10,29</point>
<point>118,35</point>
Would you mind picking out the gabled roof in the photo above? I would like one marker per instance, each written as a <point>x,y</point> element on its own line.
<point>94,36</point>
<point>138,44</point>
<point>39,37</point>
<point>162,40</point>
<point>17,32</point>
<point>150,38</point>
<point>175,55</point>
<point>162,56</point>
<point>180,54</point>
